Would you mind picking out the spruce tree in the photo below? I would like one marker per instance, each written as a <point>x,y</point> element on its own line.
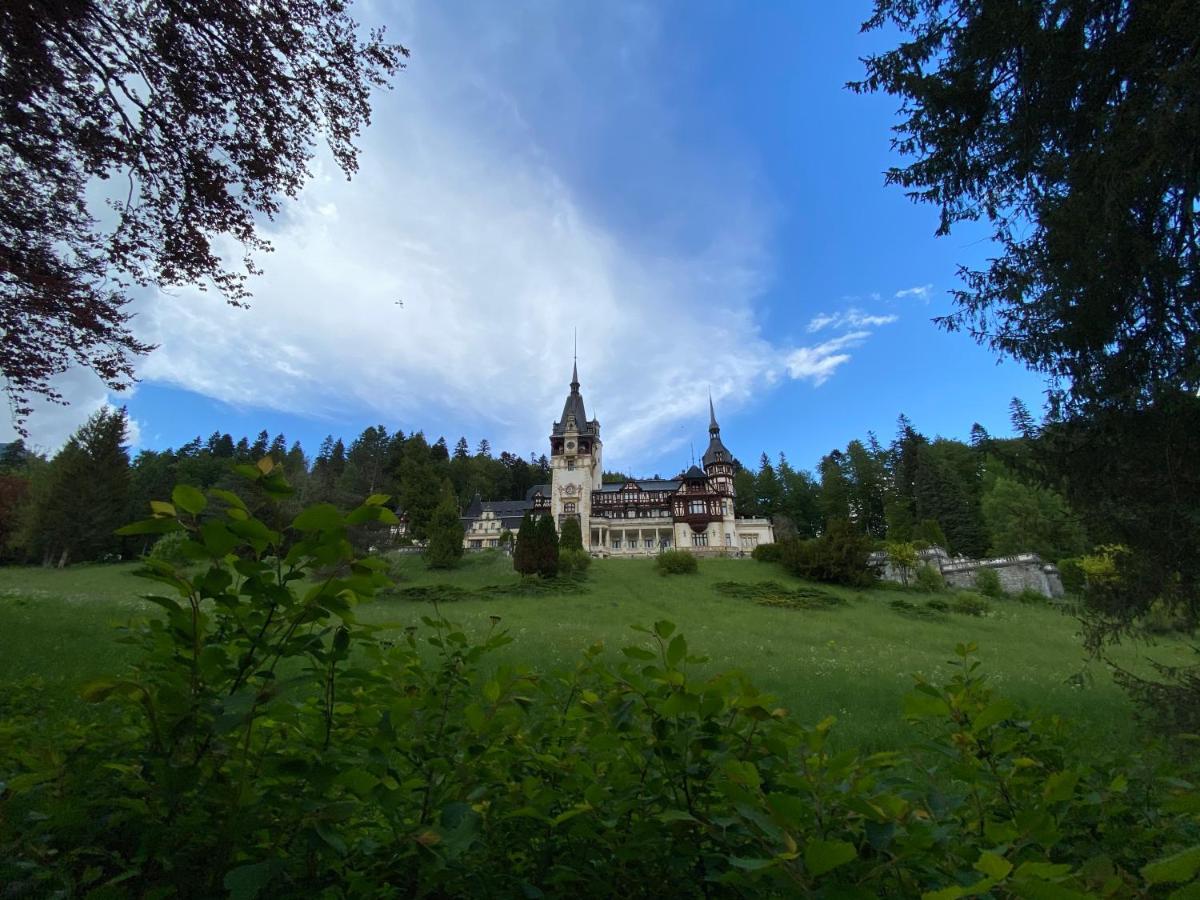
<point>445,546</point>
<point>547,547</point>
<point>525,550</point>
<point>572,536</point>
<point>84,496</point>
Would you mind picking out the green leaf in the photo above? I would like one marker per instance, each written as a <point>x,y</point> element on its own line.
<point>150,526</point>
<point>217,539</point>
<point>996,712</point>
<point>377,500</point>
<point>188,498</point>
<point>750,865</point>
<point>570,814</point>
<point>637,653</point>
<point>319,517</point>
<point>664,629</point>
<point>245,882</point>
<point>947,893</point>
<point>677,650</point>
<point>993,865</point>
<point>229,497</point>
<point>1060,786</point>
<point>162,508</point>
<point>1178,867</point>
<point>824,856</point>
<point>676,815</point>
<point>919,705</point>
<point>1187,892</point>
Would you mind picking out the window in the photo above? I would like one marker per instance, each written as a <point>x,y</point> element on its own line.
<point>697,507</point>
<point>616,543</point>
<point>570,465</point>
<point>476,545</point>
<point>569,506</point>
<point>700,540</point>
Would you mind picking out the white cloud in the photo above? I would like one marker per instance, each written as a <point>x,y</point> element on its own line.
<point>818,363</point>
<point>526,178</point>
<point>922,292</point>
<point>52,423</point>
<point>851,318</point>
<point>463,213</point>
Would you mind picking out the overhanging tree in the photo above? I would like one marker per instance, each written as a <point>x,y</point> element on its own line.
<point>1070,127</point>
<point>190,120</point>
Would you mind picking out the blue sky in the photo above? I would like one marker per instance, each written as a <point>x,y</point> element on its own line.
<point>690,186</point>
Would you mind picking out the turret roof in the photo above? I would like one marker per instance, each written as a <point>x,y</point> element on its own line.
<point>716,452</point>
<point>573,410</point>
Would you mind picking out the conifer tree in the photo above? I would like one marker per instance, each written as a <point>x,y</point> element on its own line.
<point>84,496</point>
<point>547,547</point>
<point>525,549</point>
<point>572,535</point>
<point>445,545</point>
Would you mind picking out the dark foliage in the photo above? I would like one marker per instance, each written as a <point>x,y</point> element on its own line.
<point>839,556</point>
<point>1070,127</point>
<point>525,554</point>
<point>547,547</point>
<point>197,116</point>
<point>445,545</point>
<point>571,537</point>
<point>676,562</point>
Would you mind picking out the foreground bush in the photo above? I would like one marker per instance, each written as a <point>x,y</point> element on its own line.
<point>675,562</point>
<point>268,745</point>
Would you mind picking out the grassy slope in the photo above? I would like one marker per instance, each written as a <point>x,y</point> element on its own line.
<point>854,662</point>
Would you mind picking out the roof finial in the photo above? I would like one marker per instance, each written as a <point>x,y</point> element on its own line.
<point>575,365</point>
<point>693,449</point>
<point>712,414</point>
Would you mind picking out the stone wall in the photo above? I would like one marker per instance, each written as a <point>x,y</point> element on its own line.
<point>1025,571</point>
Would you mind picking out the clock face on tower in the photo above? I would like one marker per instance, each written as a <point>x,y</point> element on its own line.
<point>570,445</point>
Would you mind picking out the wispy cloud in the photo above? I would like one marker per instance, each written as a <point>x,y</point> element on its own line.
<point>851,318</point>
<point>922,292</point>
<point>471,210</point>
<point>817,364</point>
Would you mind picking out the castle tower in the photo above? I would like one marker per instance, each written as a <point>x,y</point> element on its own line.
<point>575,461</point>
<point>718,462</point>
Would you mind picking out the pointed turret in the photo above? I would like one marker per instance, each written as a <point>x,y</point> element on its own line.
<point>716,452</point>
<point>574,415</point>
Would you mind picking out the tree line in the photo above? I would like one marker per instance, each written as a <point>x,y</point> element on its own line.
<point>975,498</point>
<point>65,508</point>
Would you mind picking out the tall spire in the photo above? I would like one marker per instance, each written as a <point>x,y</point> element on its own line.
<point>712,415</point>
<point>575,365</point>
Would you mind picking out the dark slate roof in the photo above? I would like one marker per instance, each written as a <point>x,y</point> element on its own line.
<point>716,451</point>
<point>506,507</point>
<point>573,409</point>
<point>649,484</point>
<point>693,473</point>
<point>543,489</point>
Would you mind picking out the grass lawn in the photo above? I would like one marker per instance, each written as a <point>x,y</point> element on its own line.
<point>853,661</point>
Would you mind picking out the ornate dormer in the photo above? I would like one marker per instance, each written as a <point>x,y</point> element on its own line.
<point>718,461</point>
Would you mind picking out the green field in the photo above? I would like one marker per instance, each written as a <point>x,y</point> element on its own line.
<point>853,661</point>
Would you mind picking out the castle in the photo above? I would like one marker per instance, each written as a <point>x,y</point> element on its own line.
<point>693,511</point>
